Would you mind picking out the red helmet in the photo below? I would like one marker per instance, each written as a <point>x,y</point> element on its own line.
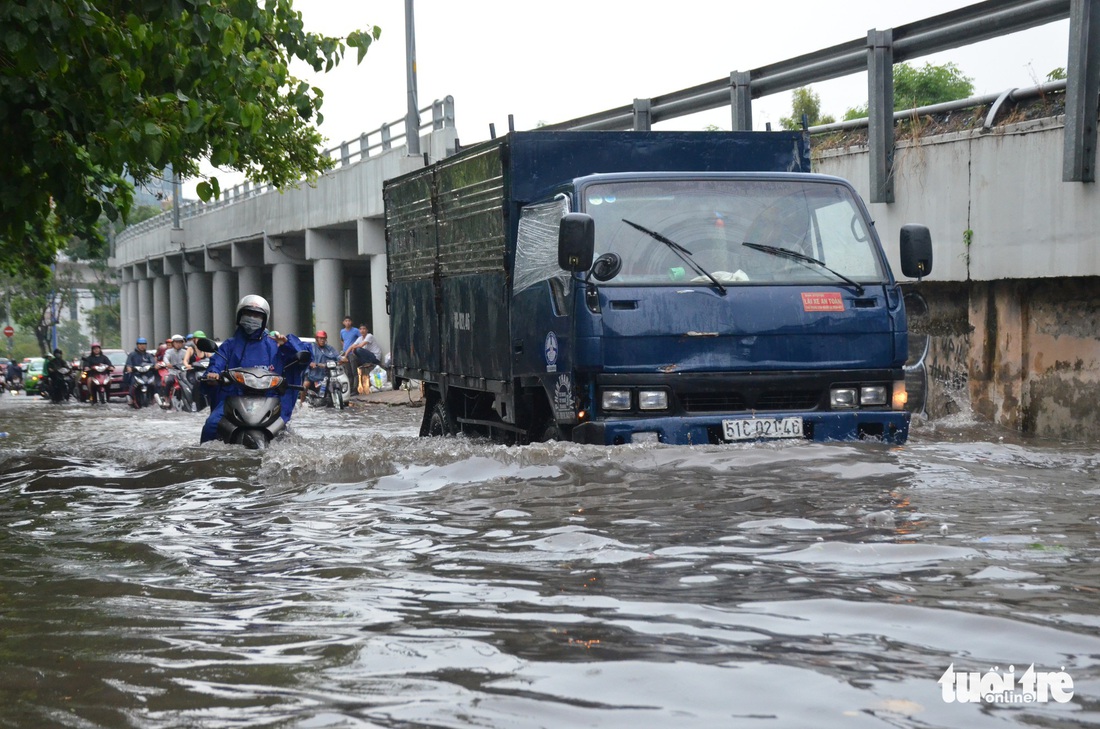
<point>96,344</point>
<point>321,333</point>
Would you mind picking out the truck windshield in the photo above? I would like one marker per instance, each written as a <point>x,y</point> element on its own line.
<point>712,219</point>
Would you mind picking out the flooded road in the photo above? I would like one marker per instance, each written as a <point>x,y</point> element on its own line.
<point>357,576</point>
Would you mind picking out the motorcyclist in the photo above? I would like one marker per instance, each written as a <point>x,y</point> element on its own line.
<point>192,354</point>
<point>173,360</point>
<point>139,357</point>
<point>322,353</point>
<point>249,346</point>
<point>96,357</point>
<point>59,381</point>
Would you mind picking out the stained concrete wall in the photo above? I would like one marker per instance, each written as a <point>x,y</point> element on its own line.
<point>1023,354</point>
<point>1008,325</point>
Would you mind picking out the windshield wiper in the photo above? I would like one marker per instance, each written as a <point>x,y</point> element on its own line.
<point>679,250</point>
<point>802,258</point>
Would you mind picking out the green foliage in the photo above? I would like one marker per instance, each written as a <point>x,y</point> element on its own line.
<point>931,84</point>
<point>1058,74</point>
<point>33,303</point>
<point>92,89</point>
<point>805,102</point>
<point>72,341</point>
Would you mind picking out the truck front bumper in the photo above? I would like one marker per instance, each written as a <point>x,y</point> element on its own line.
<point>887,426</point>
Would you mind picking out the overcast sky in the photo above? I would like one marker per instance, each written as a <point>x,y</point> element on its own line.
<point>554,61</point>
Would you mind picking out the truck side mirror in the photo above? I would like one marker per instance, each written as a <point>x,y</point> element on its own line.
<point>916,251</point>
<point>576,242</point>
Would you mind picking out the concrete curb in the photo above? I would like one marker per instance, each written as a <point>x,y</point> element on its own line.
<point>391,398</point>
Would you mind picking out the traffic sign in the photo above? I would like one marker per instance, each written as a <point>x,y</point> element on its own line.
<point>8,331</point>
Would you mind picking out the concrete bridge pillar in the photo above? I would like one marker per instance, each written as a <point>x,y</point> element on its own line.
<point>372,243</point>
<point>223,293</point>
<point>177,295</point>
<point>284,298</point>
<point>250,280</point>
<point>127,305</point>
<point>224,298</point>
<point>161,321</point>
<point>328,294</point>
<point>330,250</point>
<point>199,309</point>
<point>144,307</point>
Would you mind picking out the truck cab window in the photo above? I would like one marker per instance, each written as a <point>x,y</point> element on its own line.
<point>712,218</point>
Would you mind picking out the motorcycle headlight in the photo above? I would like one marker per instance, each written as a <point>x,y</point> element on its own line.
<point>254,382</point>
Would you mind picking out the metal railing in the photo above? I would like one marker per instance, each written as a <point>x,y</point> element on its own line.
<point>876,54</point>
<point>382,139</point>
<point>971,24</point>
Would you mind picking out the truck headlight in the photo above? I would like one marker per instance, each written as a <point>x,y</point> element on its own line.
<point>842,398</point>
<point>653,400</point>
<point>615,399</point>
<point>872,395</point>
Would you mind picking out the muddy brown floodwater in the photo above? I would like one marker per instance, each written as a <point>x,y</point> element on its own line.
<point>356,576</point>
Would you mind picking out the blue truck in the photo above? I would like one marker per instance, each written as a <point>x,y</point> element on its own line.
<point>627,287</point>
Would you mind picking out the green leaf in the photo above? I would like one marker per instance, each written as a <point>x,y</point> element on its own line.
<point>204,191</point>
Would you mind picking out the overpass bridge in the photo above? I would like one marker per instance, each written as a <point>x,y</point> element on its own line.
<point>1006,325</point>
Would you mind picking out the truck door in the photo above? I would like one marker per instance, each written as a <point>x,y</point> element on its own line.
<point>542,308</point>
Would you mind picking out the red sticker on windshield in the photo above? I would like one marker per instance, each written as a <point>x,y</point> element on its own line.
<point>822,301</point>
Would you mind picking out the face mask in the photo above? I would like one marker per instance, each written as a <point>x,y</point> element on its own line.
<point>251,323</point>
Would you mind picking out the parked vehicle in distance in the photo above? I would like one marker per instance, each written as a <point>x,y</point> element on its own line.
<point>33,375</point>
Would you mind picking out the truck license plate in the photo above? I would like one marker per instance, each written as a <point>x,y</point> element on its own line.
<point>754,428</point>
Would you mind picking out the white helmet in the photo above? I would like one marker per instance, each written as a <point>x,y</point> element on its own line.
<point>255,304</point>
<point>177,337</point>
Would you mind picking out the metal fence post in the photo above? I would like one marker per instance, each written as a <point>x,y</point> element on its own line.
<point>880,113</point>
<point>1082,92</point>
<point>643,115</point>
<point>741,101</point>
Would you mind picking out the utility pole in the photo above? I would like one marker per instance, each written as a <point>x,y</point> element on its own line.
<point>412,118</point>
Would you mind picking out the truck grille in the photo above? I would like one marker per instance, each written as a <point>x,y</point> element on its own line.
<point>732,402</point>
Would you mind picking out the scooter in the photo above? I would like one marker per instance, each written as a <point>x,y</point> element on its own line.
<point>253,417</point>
<point>143,385</point>
<point>59,384</point>
<point>175,399</point>
<point>99,380</point>
<point>194,397</point>
<point>334,389</point>
<point>15,378</point>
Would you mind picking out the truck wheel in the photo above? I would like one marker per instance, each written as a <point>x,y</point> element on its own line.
<point>549,430</point>
<point>441,423</point>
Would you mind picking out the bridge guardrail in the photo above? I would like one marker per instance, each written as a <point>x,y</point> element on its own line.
<point>346,153</point>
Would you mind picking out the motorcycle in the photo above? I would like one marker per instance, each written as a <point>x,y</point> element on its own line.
<point>252,418</point>
<point>59,384</point>
<point>99,380</point>
<point>15,378</point>
<point>174,397</point>
<point>143,386</point>
<point>333,389</point>
<point>193,394</point>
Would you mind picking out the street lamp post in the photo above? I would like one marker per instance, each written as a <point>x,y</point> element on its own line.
<point>412,118</point>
